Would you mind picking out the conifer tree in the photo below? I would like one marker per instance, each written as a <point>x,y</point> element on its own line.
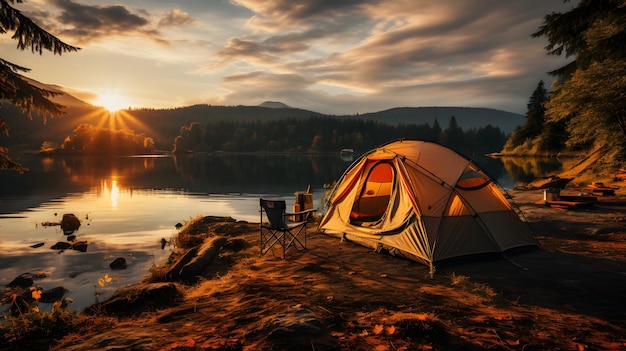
<point>591,95</point>
<point>13,86</point>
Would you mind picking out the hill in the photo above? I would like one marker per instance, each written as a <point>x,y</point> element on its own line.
<point>273,104</point>
<point>466,117</point>
<point>163,125</point>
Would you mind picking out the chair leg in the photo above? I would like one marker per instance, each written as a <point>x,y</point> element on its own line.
<point>267,242</point>
<point>284,244</point>
<point>294,241</point>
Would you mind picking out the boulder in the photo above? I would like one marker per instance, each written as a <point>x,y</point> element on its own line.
<point>174,272</point>
<point>52,295</point>
<point>61,245</point>
<point>118,263</point>
<point>205,255</point>
<point>80,246</point>
<point>24,280</point>
<point>134,300</point>
<point>70,223</point>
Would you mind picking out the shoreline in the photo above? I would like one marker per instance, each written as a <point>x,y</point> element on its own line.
<point>337,296</point>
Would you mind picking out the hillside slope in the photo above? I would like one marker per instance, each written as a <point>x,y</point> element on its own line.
<point>163,125</point>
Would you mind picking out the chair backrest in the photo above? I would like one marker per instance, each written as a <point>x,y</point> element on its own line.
<point>275,211</point>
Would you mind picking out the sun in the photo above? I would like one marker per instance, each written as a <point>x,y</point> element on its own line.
<point>112,102</point>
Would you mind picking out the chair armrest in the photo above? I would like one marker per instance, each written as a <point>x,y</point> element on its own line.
<point>300,213</point>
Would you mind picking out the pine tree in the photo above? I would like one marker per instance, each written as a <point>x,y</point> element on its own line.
<point>591,96</point>
<point>535,115</point>
<point>13,87</point>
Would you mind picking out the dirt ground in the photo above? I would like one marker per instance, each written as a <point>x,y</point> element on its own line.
<point>569,295</point>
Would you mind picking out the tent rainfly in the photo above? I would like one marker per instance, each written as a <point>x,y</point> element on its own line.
<point>425,202</point>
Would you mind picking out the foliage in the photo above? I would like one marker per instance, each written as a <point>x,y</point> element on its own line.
<point>537,135</point>
<point>13,87</point>
<point>30,327</point>
<point>593,101</point>
<point>90,139</point>
<point>326,134</point>
<point>589,98</point>
<point>190,138</point>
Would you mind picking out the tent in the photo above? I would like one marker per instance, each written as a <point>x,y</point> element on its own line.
<point>423,201</point>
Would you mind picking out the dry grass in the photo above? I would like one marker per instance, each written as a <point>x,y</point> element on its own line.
<point>341,296</point>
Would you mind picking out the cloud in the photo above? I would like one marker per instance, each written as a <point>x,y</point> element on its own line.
<point>176,18</point>
<point>85,24</point>
<point>281,14</point>
<point>473,53</point>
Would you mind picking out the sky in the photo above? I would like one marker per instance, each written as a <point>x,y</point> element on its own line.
<point>332,57</point>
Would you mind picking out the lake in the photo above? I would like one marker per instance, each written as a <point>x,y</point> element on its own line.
<point>128,204</point>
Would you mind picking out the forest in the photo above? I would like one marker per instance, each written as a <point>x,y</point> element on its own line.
<point>327,134</point>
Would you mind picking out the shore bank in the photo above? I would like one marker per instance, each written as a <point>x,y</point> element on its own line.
<point>340,296</point>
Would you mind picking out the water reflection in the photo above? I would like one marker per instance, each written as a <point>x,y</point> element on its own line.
<point>527,169</point>
<point>51,178</point>
<point>114,192</point>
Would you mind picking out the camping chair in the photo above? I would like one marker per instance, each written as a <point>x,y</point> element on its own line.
<point>279,229</point>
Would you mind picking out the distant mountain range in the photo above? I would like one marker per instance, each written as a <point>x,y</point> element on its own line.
<point>164,124</point>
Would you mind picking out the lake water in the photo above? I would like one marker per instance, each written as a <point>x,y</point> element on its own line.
<point>128,204</point>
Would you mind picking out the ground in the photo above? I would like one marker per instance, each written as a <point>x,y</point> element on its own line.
<point>569,295</point>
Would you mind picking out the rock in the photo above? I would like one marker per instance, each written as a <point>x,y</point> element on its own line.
<point>24,280</point>
<point>37,245</point>
<point>118,263</point>
<point>70,223</point>
<point>61,245</point>
<point>52,295</point>
<point>133,300</point>
<point>80,246</point>
<point>174,272</point>
<point>71,237</point>
<point>205,255</point>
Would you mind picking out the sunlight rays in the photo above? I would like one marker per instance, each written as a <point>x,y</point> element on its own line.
<point>121,119</point>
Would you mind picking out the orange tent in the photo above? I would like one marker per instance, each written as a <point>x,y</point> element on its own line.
<point>425,202</point>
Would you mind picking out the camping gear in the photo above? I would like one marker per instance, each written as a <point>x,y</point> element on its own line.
<point>423,201</point>
<point>599,189</point>
<point>276,228</point>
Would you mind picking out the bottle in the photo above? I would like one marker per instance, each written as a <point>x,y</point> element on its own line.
<point>296,209</point>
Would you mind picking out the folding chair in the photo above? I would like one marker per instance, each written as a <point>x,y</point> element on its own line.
<point>277,228</point>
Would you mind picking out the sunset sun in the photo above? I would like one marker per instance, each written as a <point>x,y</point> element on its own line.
<point>112,102</point>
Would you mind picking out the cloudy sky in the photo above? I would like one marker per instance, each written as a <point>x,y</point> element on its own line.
<point>335,57</point>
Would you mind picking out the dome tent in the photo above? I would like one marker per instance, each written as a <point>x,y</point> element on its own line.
<point>423,201</point>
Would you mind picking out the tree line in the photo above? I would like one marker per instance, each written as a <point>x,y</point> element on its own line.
<point>328,134</point>
<point>90,139</point>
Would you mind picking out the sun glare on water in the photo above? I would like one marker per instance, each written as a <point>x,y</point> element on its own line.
<point>112,102</point>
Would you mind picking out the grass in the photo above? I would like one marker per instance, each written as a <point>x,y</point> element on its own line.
<point>465,284</point>
<point>34,328</point>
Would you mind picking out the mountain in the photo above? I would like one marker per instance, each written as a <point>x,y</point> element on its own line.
<point>466,117</point>
<point>273,104</point>
<point>163,125</point>
<point>64,98</point>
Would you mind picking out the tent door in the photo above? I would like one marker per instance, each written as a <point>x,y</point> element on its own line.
<point>373,199</point>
